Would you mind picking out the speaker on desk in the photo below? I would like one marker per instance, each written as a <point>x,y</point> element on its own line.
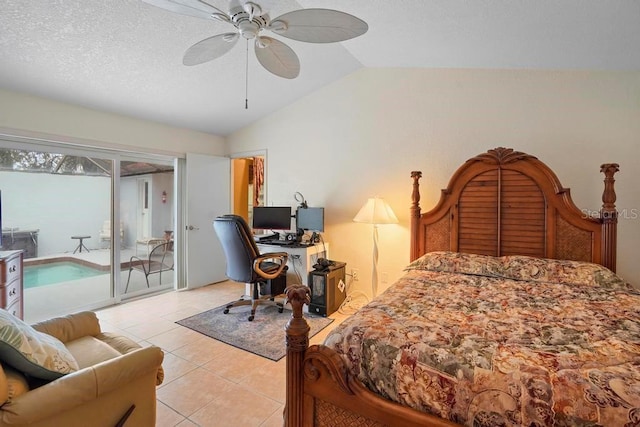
<point>291,237</point>
<point>328,289</point>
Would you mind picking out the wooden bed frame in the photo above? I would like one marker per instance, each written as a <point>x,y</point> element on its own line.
<point>501,202</point>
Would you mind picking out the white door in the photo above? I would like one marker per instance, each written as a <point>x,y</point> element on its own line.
<point>144,209</point>
<point>208,182</point>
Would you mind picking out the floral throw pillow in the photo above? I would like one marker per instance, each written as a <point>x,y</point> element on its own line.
<point>31,352</point>
<point>519,267</point>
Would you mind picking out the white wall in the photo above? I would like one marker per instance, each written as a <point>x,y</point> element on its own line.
<point>60,206</point>
<point>29,113</point>
<point>128,209</point>
<point>162,213</point>
<point>362,135</point>
<point>22,114</point>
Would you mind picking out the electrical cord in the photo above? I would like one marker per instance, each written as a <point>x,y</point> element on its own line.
<point>295,269</point>
<point>354,300</point>
<point>324,248</point>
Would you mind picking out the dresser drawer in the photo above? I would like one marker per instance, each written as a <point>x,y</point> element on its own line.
<point>15,309</point>
<point>10,270</point>
<point>10,293</point>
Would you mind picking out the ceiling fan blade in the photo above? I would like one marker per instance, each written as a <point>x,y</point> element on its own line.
<point>277,57</point>
<point>318,26</point>
<point>210,49</point>
<point>185,7</point>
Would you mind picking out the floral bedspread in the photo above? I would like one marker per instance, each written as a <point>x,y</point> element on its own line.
<point>509,341</point>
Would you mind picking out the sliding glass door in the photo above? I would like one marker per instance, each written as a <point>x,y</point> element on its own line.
<point>73,212</point>
<point>146,210</point>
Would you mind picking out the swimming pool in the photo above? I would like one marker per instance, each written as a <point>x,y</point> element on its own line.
<point>56,272</point>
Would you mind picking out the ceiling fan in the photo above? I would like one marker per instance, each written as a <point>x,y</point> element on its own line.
<point>249,20</point>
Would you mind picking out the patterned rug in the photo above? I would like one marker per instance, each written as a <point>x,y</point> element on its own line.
<point>263,336</point>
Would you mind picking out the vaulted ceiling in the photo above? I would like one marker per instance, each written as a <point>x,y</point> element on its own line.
<point>125,56</point>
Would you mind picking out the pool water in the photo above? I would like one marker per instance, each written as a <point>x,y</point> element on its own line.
<point>47,274</point>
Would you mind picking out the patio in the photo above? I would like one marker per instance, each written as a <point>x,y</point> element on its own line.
<point>71,198</point>
<point>44,302</point>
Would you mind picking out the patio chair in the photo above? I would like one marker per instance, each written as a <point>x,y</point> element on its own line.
<point>159,260</point>
<point>105,232</point>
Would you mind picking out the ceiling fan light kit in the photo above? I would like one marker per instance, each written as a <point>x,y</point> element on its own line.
<point>306,25</point>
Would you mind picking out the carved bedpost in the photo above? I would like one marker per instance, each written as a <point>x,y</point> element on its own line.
<point>297,342</point>
<point>415,214</point>
<point>609,216</point>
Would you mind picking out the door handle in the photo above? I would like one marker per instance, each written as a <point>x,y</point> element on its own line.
<point>191,227</point>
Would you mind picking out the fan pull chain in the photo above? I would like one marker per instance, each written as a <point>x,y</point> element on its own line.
<point>246,81</point>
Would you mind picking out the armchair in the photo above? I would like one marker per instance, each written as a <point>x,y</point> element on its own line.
<point>116,381</point>
<point>246,264</point>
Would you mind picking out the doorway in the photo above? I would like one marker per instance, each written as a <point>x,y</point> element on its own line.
<point>249,189</point>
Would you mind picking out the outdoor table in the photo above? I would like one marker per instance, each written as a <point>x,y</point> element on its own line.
<point>80,244</point>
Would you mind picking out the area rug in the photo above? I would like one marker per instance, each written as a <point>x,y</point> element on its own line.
<point>263,336</point>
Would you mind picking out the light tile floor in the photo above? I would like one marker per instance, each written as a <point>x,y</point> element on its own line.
<point>207,382</point>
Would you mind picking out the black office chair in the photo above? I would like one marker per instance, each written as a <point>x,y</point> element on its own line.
<point>246,264</point>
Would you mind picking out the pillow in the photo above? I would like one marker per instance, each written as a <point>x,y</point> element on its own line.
<point>520,267</point>
<point>31,352</point>
<point>457,262</point>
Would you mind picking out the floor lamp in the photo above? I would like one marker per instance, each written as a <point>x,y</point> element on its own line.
<point>375,211</point>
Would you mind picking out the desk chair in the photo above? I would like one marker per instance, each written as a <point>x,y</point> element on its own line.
<point>246,264</point>
<point>160,259</point>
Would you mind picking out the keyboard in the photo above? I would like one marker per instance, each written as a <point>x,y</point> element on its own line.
<point>279,242</point>
<point>263,237</point>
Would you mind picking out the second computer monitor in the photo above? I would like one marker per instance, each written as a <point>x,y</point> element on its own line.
<point>311,219</point>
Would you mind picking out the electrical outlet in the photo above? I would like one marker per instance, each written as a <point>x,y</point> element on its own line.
<point>355,274</point>
<point>385,277</point>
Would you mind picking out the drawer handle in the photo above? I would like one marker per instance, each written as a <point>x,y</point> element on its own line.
<point>13,268</point>
<point>12,292</point>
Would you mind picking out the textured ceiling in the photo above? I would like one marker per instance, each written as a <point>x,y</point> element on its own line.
<point>125,56</point>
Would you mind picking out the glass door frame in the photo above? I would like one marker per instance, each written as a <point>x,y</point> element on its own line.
<point>58,146</point>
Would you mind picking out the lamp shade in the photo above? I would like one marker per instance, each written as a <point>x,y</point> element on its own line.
<point>376,211</point>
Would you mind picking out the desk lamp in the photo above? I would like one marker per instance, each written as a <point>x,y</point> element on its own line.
<point>375,211</point>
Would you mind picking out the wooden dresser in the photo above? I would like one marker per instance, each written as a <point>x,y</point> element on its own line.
<point>11,282</point>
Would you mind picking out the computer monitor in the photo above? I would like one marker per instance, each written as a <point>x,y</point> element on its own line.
<point>311,219</point>
<point>272,217</point>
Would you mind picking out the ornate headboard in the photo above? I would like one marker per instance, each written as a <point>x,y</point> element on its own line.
<point>504,202</point>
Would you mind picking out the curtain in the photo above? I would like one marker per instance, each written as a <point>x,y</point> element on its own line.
<point>258,179</point>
